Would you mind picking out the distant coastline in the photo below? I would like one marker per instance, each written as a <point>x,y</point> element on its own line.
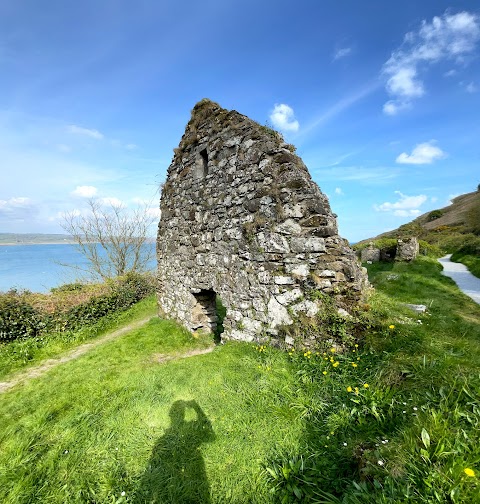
<point>12,239</point>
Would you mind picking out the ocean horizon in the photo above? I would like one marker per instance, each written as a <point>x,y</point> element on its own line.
<point>39,267</point>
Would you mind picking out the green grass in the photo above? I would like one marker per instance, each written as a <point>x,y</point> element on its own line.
<point>99,426</point>
<point>247,424</point>
<point>23,353</point>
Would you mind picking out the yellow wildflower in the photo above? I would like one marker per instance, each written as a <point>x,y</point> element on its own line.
<point>469,472</point>
<point>354,365</point>
<point>356,346</point>
<point>324,372</point>
<point>391,326</point>
<point>349,389</point>
<point>332,350</point>
<point>366,385</point>
<point>335,364</point>
<point>356,390</point>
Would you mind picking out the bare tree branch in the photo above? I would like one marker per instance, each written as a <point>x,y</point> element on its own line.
<point>113,239</point>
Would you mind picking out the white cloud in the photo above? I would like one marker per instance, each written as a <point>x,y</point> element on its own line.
<point>406,206</point>
<point>424,153</point>
<point>449,37</point>
<point>131,146</point>
<point>16,202</point>
<point>338,190</point>
<point>341,53</point>
<point>114,202</point>
<point>392,107</point>
<point>406,213</point>
<point>154,212</point>
<point>85,191</point>
<point>16,208</point>
<point>283,118</point>
<point>450,73</point>
<point>78,130</point>
<point>471,88</point>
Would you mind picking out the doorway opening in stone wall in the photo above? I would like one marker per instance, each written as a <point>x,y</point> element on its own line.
<point>208,313</point>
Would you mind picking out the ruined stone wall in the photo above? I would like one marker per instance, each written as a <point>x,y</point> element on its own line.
<point>242,219</point>
<point>407,250</point>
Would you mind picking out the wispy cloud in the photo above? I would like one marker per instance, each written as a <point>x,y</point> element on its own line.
<point>341,53</point>
<point>16,208</point>
<point>283,118</point>
<point>471,88</point>
<point>449,37</point>
<point>406,206</point>
<point>340,106</point>
<point>424,153</point>
<point>92,133</point>
<point>338,190</point>
<point>112,201</point>
<point>85,191</point>
<point>360,174</point>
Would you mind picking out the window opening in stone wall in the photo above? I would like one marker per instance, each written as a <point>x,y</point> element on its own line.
<point>204,157</point>
<point>204,313</point>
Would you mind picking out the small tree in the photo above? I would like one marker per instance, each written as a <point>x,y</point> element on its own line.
<point>113,239</point>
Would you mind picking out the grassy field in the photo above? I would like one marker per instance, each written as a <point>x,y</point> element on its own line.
<point>390,417</point>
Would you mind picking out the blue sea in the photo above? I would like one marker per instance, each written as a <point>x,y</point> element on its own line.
<point>37,268</point>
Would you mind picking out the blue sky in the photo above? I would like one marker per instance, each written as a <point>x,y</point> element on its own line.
<point>382,99</point>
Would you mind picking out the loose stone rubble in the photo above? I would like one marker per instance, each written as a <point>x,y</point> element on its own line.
<point>243,222</point>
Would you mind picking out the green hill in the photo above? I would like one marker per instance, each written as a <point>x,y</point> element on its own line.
<point>454,229</point>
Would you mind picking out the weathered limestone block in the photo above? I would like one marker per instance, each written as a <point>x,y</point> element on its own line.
<point>243,221</point>
<point>371,253</point>
<point>407,250</point>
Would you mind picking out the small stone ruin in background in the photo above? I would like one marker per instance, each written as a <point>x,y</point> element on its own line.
<point>242,221</point>
<point>405,250</point>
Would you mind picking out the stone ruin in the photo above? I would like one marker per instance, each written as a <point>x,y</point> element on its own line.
<point>405,250</point>
<point>243,222</point>
<point>370,253</point>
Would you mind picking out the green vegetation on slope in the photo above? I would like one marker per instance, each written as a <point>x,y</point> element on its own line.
<point>392,420</point>
<point>454,229</point>
<point>25,352</point>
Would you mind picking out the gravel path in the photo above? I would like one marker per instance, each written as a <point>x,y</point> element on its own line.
<point>467,283</point>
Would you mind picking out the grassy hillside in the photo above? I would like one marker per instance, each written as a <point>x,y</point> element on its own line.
<point>388,415</point>
<point>454,229</point>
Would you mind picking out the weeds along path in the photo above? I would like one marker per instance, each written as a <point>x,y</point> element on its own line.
<point>467,283</point>
<point>75,353</point>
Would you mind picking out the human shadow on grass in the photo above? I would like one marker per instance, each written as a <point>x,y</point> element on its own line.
<point>176,470</point>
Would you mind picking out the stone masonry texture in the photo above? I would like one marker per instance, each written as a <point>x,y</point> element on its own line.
<point>243,221</point>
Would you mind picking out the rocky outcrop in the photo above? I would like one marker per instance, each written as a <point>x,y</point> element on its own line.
<point>242,220</point>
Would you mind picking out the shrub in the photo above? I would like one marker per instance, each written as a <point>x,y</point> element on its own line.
<point>18,319</point>
<point>436,214</point>
<point>69,307</point>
